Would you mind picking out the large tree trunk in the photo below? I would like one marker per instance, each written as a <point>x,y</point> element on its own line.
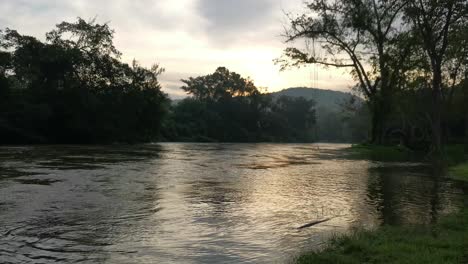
<point>466,115</point>
<point>465,92</point>
<point>384,100</point>
<point>466,126</point>
<point>379,125</point>
<point>437,112</point>
<point>375,132</point>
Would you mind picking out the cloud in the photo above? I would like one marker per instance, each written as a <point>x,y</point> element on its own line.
<point>242,22</point>
<point>226,15</point>
<point>187,37</point>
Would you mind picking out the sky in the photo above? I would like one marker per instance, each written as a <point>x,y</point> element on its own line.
<point>189,38</point>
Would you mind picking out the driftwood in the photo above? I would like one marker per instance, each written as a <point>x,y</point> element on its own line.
<point>315,223</point>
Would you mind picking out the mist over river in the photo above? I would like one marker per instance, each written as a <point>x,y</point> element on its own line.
<point>201,203</point>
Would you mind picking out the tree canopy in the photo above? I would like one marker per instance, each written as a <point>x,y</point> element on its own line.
<point>221,84</point>
<point>395,50</point>
<point>73,88</point>
<point>227,107</point>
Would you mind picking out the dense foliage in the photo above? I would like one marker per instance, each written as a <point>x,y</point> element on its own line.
<point>409,60</point>
<point>73,88</point>
<point>340,117</point>
<point>226,107</point>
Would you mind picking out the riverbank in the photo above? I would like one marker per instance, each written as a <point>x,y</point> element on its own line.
<point>381,153</point>
<point>454,154</point>
<point>459,172</point>
<point>443,242</point>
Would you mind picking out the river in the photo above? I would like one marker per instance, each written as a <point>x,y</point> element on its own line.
<point>201,203</point>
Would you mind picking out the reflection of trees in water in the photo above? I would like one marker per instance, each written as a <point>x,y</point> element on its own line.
<point>436,196</point>
<point>405,194</point>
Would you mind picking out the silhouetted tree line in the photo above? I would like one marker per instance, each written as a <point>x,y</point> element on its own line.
<point>409,60</point>
<point>348,124</point>
<point>73,88</point>
<point>226,107</point>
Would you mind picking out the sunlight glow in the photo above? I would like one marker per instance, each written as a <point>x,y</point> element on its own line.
<point>186,41</point>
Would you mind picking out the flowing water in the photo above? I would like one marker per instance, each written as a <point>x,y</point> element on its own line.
<point>200,203</point>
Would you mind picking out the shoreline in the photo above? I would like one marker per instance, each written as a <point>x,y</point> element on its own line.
<point>443,242</point>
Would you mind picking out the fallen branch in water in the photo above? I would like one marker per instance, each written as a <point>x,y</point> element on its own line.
<point>315,223</point>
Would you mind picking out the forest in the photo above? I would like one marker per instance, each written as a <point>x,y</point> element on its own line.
<point>74,88</point>
<point>409,61</point>
<point>225,107</point>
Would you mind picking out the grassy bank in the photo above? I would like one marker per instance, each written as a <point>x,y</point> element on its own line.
<point>459,172</point>
<point>444,242</point>
<point>382,153</point>
<point>454,154</point>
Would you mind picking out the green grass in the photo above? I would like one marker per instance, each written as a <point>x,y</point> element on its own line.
<point>457,158</point>
<point>455,154</point>
<point>382,153</point>
<point>459,172</point>
<point>445,242</point>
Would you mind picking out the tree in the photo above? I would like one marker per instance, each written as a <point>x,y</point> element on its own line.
<point>73,88</point>
<point>5,66</point>
<point>229,108</point>
<point>299,117</point>
<point>438,23</point>
<point>465,97</point>
<point>230,104</point>
<point>359,35</point>
<point>221,84</point>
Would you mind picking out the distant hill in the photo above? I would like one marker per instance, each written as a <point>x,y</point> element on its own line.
<point>333,123</point>
<point>327,99</point>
